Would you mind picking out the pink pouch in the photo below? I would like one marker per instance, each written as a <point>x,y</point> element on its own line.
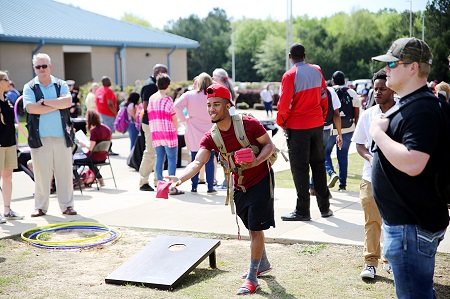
<point>162,189</point>
<point>243,155</point>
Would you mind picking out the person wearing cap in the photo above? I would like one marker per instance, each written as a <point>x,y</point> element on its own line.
<point>405,163</point>
<point>75,109</point>
<point>338,79</point>
<point>255,205</point>
<point>302,111</point>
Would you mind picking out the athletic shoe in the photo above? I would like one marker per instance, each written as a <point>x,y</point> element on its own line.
<point>146,187</point>
<point>368,272</point>
<point>212,191</point>
<point>388,268</point>
<point>13,216</point>
<point>2,220</point>
<point>333,179</point>
<point>342,188</point>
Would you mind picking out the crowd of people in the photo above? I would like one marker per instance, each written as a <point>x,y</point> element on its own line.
<point>398,193</point>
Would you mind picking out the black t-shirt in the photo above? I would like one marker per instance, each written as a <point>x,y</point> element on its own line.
<point>7,128</point>
<point>404,199</point>
<point>75,103</point>
<point>148,89</point>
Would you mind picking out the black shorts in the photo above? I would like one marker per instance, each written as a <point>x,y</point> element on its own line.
<point>255,207</point>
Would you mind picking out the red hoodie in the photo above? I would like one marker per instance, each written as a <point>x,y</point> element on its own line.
<point>303,100</point>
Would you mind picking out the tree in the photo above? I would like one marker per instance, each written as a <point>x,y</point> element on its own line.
<point>213,35</point>
<point>131,18</point>
<point>437,35</point>
<point>270,57</point>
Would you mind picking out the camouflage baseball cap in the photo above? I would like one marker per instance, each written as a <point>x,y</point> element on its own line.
<point>408,50</point>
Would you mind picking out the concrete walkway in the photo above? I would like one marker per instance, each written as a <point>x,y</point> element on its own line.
<point>127,206</point>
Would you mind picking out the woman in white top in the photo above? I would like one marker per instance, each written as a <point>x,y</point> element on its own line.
<point>90,98</point>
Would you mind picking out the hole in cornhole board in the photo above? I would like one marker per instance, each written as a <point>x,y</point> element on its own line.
<point>164,262</point>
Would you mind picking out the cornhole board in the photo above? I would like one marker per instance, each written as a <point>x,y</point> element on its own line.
<point>164,262</point>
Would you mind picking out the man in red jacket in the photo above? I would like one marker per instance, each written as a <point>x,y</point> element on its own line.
<point>302,110</point>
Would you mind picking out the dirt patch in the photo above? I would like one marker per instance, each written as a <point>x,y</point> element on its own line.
<point>300,271</point>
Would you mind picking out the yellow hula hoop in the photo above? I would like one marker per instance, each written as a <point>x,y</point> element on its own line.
<point>62,225</point>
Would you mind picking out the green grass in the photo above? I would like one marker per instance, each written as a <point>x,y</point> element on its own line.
<point>283,179</point>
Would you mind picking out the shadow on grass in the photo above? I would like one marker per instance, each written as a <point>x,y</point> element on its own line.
<point>277,290</point>
<point>198,275</point>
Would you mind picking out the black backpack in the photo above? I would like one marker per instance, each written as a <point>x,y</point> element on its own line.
<point>346,110</point>
<point>330,113</point>
<point>442,179</point>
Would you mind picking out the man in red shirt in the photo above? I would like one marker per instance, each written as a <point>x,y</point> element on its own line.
<point>302,110</point>
<point>106,102</point>
<point>254,202</point>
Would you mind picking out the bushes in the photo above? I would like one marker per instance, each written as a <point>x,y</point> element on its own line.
<point>258,106</point>
<point>249,96</point>
<point>243,106</point>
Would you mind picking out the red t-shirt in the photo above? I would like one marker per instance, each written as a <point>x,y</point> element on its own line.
<point>102,96</point>
<point>253,130</point>
<point>98,134</point>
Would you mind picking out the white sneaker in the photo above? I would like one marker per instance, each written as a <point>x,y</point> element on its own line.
<point>2,220</point>
<point>13,216</point>
<point>388,268</point>
<point>333,179</point>
<point>368,272</point>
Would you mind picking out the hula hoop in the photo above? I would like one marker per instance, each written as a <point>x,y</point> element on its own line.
<point>34,235</point>
<point>16,116</point>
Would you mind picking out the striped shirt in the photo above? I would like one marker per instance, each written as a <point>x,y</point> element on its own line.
<point>163,130</point>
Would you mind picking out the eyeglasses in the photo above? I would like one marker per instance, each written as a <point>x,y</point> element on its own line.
<point>394,64</point>
<point>38,67</point>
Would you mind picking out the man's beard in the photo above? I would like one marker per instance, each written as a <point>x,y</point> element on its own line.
<point>216,121</point>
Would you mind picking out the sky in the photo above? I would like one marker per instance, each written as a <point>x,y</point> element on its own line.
<point>159,13</point>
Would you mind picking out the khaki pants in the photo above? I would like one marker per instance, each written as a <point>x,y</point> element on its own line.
<point>148,158</point>
<point>372,225</point>
<point>53,157</point>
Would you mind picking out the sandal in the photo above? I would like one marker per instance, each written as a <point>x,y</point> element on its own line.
<point>175,191</point>
<point>258,274</point>
<point>247,288</point>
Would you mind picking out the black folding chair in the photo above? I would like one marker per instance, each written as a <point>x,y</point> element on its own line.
<point>101,146</point>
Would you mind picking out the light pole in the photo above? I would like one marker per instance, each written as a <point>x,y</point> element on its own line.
<point>233,70</point>
<point>288,32</point>
<point>423,26</point>
<point>410,18</point>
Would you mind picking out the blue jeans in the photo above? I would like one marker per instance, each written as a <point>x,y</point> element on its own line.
<point>411,252</point>
<point>132,133</point>
<point>108,121</point>
<point>172,156</point>
<point>326,136</point>
<point>209,169</point>
<point>342,157</point>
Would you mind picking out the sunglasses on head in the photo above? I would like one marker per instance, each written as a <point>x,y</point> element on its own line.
<point>38,67</point>
<point>394,64</point>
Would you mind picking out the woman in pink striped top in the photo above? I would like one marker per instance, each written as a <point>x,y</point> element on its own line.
<point>163,125</point>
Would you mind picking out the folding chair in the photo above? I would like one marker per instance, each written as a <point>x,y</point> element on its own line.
<point>101,146</point>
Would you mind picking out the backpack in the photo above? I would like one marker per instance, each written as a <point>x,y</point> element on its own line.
<point>330,113</point>
<point>121,122</point>
<point>346,110</point>
<point>138,120</point>
<point>442,179</point>
<point>245,143</point>
<point>87,177</point>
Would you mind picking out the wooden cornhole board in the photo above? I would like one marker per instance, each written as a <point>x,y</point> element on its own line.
<point>164,262</point>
